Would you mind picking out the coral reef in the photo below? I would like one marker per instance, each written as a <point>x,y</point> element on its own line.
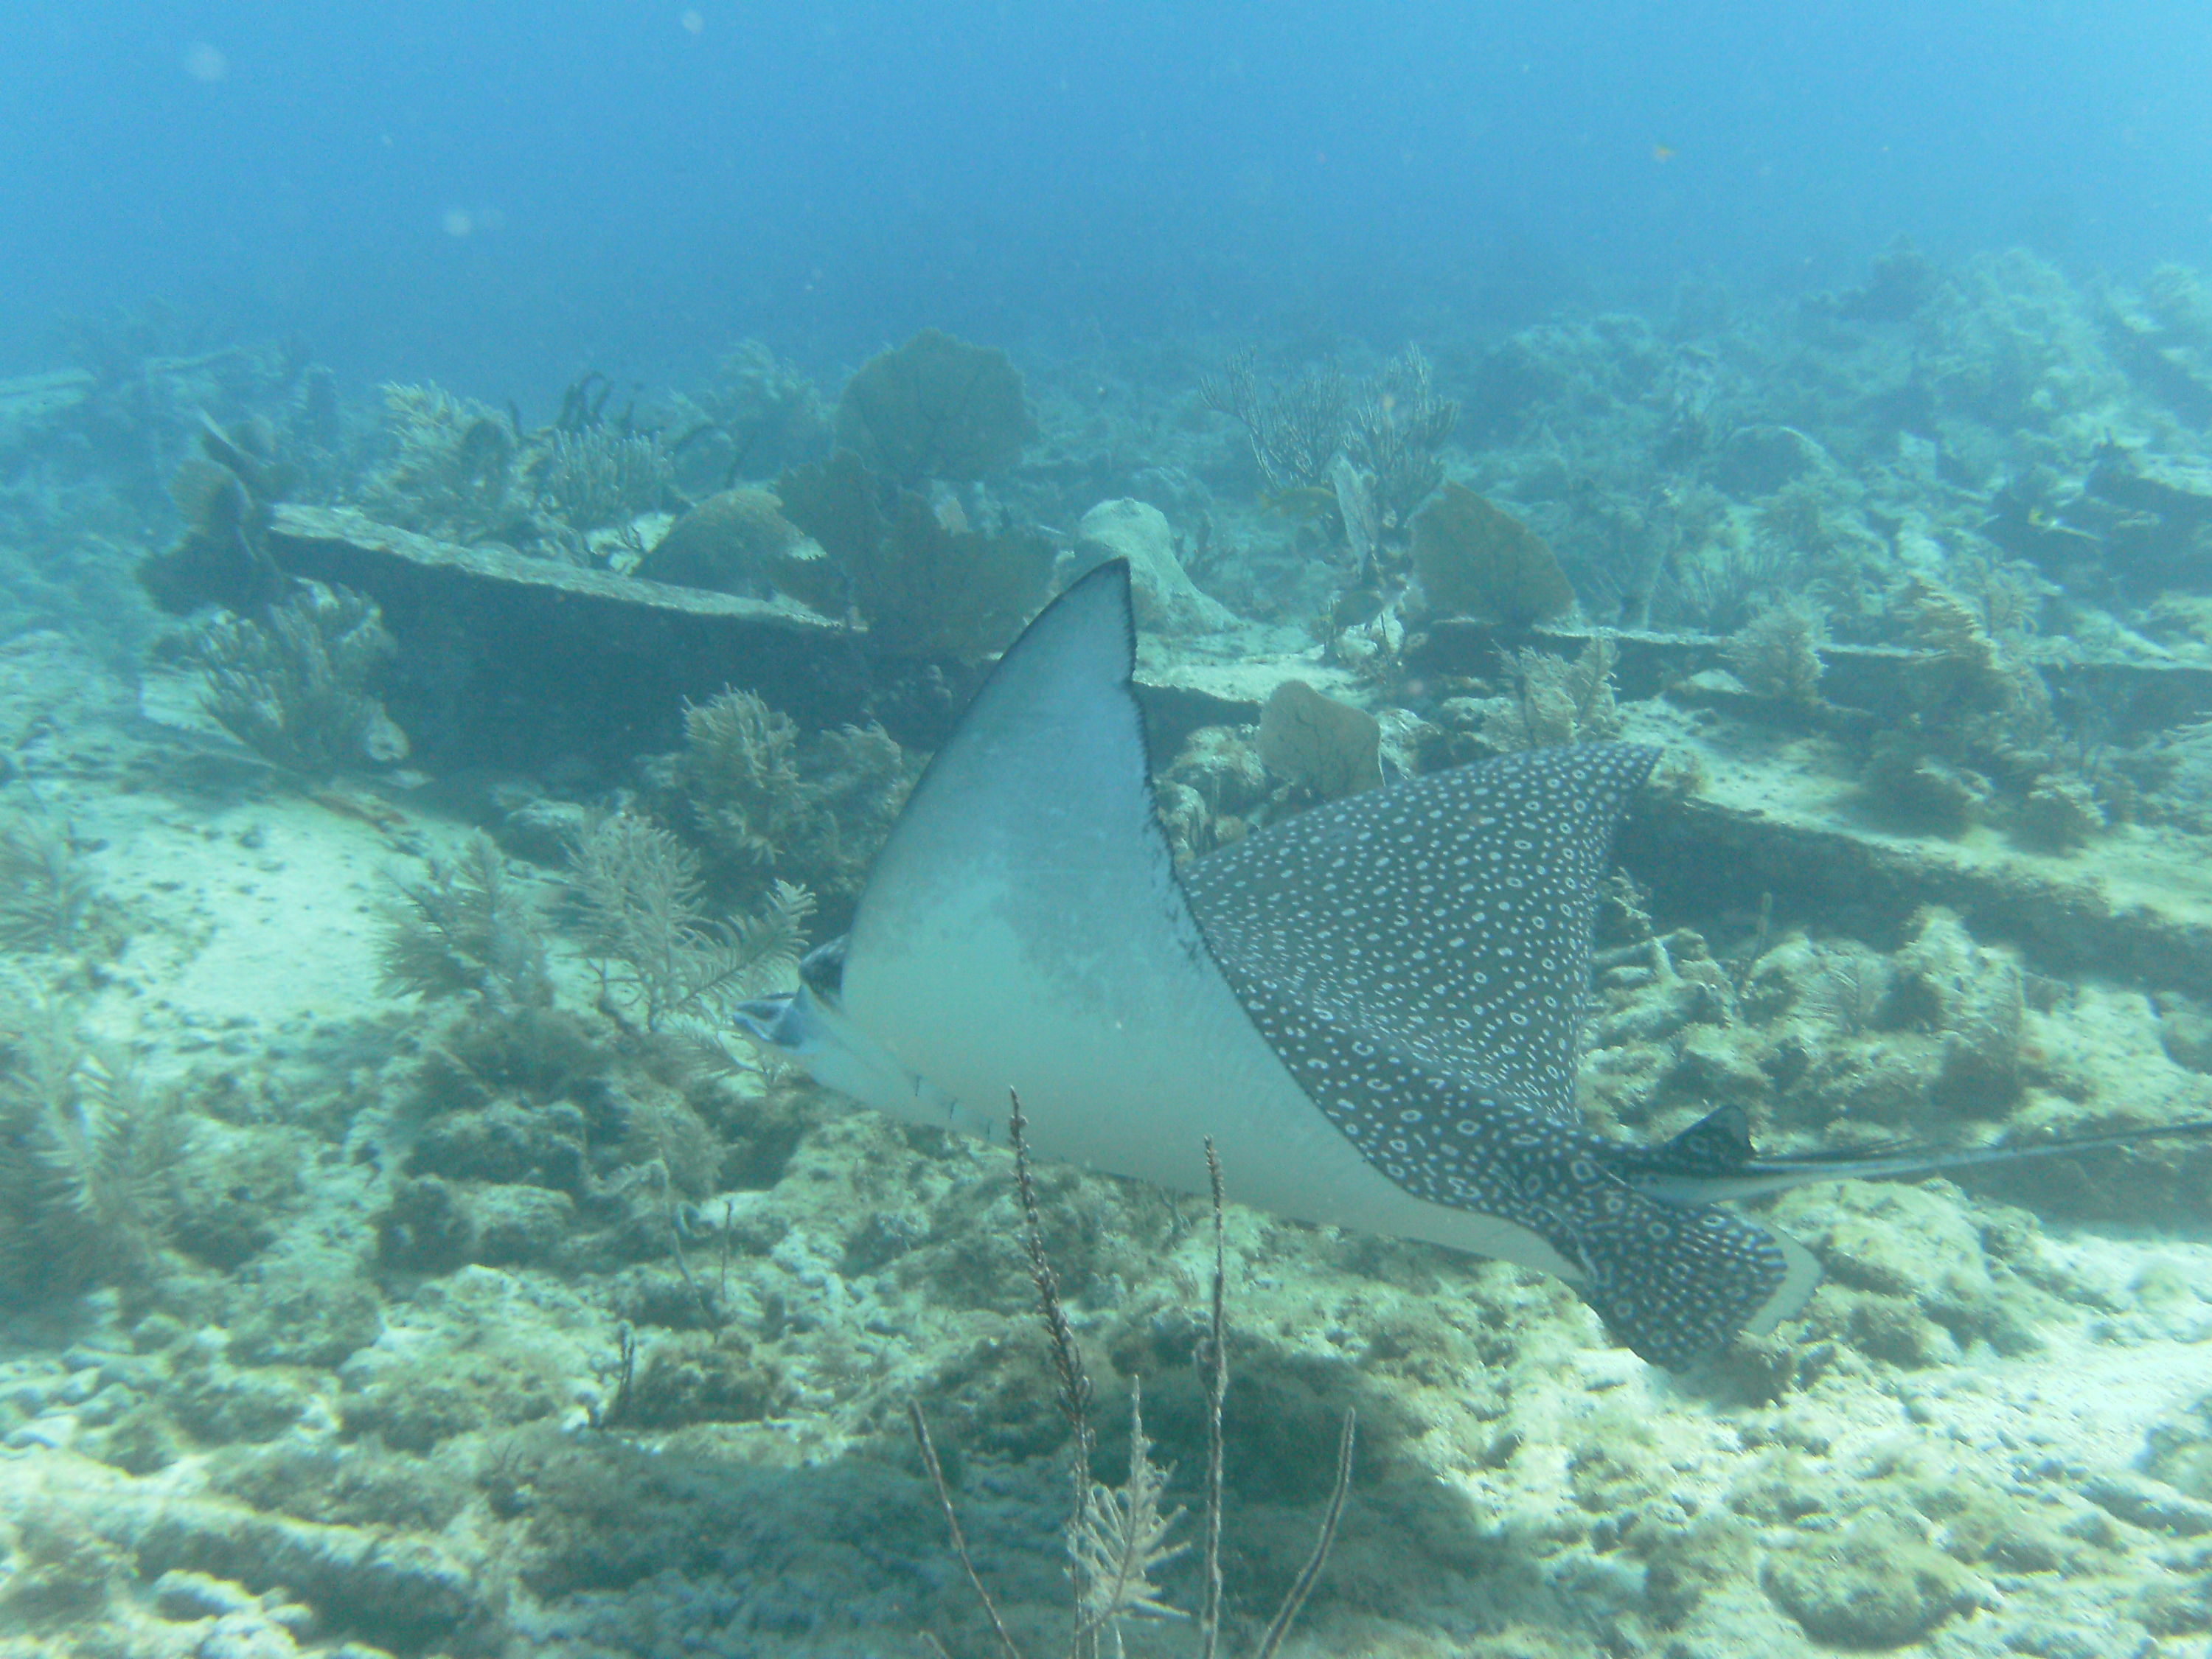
<point>407,1264</point>
<point>764,414</point>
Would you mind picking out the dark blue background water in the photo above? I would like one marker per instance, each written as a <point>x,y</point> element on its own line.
<point>499,192</point>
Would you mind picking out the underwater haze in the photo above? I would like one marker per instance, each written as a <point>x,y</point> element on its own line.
<point>508,192</point>
<point>1214,829</point>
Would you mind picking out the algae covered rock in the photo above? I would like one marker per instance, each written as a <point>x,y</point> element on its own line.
<point>1876,1583</point>
<point>738,541</point>
<point>1914,1280</point>
<point>412,1403</point>
<point>1475,561</point>
<point>1976,999</point>
<point>936,407</point>
<point>1167,600</point>
<point>701,1377</point>
<point>1319,743</point>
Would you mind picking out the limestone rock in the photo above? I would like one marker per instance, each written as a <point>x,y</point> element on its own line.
<point>1974,998</point>
<point>1167,600</point>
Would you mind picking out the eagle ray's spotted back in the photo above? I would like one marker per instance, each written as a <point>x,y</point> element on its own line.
<point>1445,920</point>
<point>1417,956</point>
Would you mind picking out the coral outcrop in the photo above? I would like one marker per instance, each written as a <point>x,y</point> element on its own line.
<point>738,541</point>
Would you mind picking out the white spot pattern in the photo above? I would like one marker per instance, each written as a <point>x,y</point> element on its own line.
<point>1418,957</point>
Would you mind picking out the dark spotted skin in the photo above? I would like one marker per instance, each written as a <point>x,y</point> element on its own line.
<point>1417,956</point>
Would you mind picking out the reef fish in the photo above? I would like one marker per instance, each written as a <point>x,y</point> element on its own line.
<point>1371,1007</point>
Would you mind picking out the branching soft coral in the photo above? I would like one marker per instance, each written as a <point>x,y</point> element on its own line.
<point>82,1151</point>
<point>1560,701</point>
<point>1120,1540</point>
<point>779,808</point>
<point>454,469</point>
<point>297,688</point>
<point>662,959</point>
<point>47,898</point>
<point>466,929</point>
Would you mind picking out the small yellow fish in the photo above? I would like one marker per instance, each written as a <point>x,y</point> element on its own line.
<point>1304,502</point>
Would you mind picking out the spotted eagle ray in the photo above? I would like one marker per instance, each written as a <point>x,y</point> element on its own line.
<point>1371,1007</point>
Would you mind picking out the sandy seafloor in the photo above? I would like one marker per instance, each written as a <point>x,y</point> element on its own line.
<point>347,1389</point>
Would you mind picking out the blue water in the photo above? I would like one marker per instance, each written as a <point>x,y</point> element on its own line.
<point>502,192</point>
